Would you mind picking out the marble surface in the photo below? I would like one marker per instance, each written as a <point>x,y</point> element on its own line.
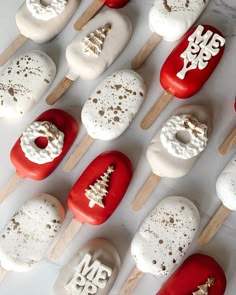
<point>199,185</point>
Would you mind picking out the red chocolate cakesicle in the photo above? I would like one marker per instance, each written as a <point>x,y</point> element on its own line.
<point>94,7</point>
<point>199,274</point>
<point>188,67</point>
<point>41,147</point>
<point>96,194</point>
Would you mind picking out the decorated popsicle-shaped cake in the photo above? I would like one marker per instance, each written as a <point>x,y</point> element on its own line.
<point>226,192</point>
<point>94,7</point>
<point>169,20</point>
<point>188,67</point>
<point>109,110</point>
<point>163,239</point>
<point>93,270</point>
<point>40,21</point>
<point>175,148</point>
<point>27,236</point>
<point>41,147</point>
<point>94,49</point>
<point>96,194</point>
<point>199,274</point>
<point>24,81</point>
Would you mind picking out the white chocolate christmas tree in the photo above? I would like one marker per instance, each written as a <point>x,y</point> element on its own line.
<point>203,289</point>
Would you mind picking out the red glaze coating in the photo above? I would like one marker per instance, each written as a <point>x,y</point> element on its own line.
<point>195,271</point>
<point>78,203</point>
<point>27,169</point>
<point>235,104</point>
<point>195,78</point>
<point>115,3</point>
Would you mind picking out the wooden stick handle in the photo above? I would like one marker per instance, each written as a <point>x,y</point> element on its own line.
<point>88,14</point>
<point>12,48</point>
<point>66,237</point>
<point>9,187</point>
<point>156,109</point>
<point>147,49</point>
<point>78,153</point>
<point>214,225</point>
<point>132,281</point>
<point>3,273</point>
<point>60,89</point>
<point>145,191</point>
<point>228,143</point>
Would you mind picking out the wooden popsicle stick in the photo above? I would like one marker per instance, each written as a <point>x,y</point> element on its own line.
<point>156,109</point>
<point>145,191</point>
<point>78,153</point>
<point>228,143</point>
<point>9,187</point>
<point>213,226</point>
<point>132,281</point>
<point>64,240</point>
<point>89,13</point>
<point>147,49</point>
<point>3,273</point>
<point>12,48</point>
<point>59,90</point>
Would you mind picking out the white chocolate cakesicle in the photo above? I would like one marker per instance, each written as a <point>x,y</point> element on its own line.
<point>41,21</point>
<point>171,19</point>
<point>113,105</point>
<point>177,145</point>
<point>92,271</point>
<point>28,235</point>
<point>97,45</point>
<point>24,81</point>
<point>165,235</point>
<point>226,185</point>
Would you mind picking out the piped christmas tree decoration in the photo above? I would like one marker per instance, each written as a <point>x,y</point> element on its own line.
<point>93,43</point>
<point>203,289</point>
<point>98,190</point>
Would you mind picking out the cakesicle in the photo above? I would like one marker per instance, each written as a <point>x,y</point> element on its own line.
<point>24,81</point>
<point>40,21</point>
<point>109,110</point>
<point>188,67</point>
<point>176,147</point>
<point>92,271</point>
<point>163,239</point>
<point>169,20</point>
<point>94,49</point>
<point>41,147</point>
<point>29,233</point>
<point>226,192</point>
<point>198,275</point>
<point>94,7</point>
<point>96,194</point>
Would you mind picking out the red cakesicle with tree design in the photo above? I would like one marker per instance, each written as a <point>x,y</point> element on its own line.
<point>199,274</point>
<point>41,147</point>
<point>188,67</point>
<point>96,194</point>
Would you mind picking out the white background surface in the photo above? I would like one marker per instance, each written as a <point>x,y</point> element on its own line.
<point>199,185</point>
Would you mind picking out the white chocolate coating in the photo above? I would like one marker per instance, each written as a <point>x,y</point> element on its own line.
<point>165,235</point>
<point>28,235</point>
<point>161,161</point>
<point>171,19</point>
<point>99,250</point>
<point>226,185</point>
<point>113,105</point>
<point>24,81</point>
<point>91,66</point>
<point>41,31</point>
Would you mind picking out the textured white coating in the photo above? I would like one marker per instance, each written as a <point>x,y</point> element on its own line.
<point>113,105</point>
<point>226,185</point>
<point>171,19</point>
<point>165,235</point>
<point>24,81</point>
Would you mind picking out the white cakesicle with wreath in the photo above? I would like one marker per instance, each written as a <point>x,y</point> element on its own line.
<point>175,148</point>
<point>40,21</point>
